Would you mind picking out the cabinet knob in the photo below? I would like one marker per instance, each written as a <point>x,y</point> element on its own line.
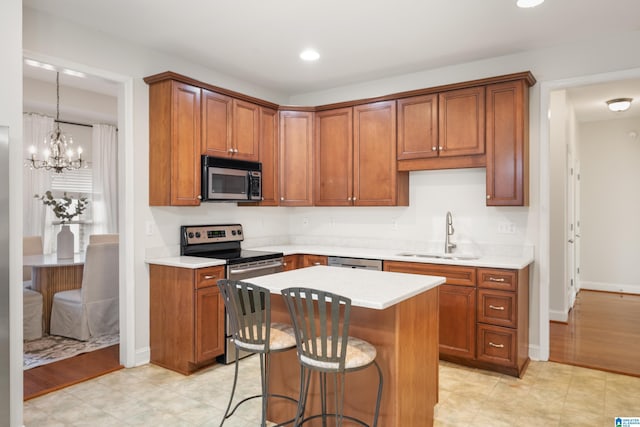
<point>354,199</point>
<point>235,150</point>
<point>230,150</point>
<point>199,197</point>
<point>441,148</point>
<point>488,196</point>
<point>349,198</point>
<point>282,199</point>
<point>434,148</point>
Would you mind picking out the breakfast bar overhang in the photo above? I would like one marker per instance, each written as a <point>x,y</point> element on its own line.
<point>398,314</point>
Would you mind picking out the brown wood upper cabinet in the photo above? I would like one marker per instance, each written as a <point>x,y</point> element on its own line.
<point>461,122</point>
<point>333,157</point>
<point>269,156</point>
<point>376,180</point>
<point>508,144</point>
<point>174,140</point>
<point>355,157</point>
<point>296,158</point>
<point>230,127</point>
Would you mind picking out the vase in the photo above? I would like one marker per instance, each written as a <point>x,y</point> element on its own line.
<point>65,243</point>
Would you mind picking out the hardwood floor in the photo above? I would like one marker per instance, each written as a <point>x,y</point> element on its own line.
<point>603,332</point>
<point>54,376</point>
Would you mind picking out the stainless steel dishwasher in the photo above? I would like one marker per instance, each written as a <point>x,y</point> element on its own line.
<point>367,264</point>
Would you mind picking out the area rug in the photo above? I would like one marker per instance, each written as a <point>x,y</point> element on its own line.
<point>52,348</point>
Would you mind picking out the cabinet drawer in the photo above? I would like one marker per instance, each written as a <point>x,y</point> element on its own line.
<point>497,307</point>
<point>492,278</point>
<point>455,275</point>
<point>209,276</point>
<point>497,345</point>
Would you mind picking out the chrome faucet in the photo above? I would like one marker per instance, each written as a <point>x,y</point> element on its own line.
<point>448,245</point>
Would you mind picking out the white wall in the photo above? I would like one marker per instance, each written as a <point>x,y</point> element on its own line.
<point>558,138</point>
<point>610,205</point>
<point>95,50</point>
<point>11,115</point>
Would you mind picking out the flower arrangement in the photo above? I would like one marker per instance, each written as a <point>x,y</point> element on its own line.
<point>62,207</point>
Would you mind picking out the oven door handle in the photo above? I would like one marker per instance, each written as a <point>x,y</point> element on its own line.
<point>250,269</point>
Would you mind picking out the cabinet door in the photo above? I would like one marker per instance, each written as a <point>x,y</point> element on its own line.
<point>269,156</point>
<point>457,320</point>
<point>311,260</point>
<point>333,148</point>
<point>461,122</point>
<point>375,174</point>
<point>209,324</point>
<point>246,130</point>
<point>292,262</point>
<point>185,161</point>
<point>418,127</point>
<point>507,144</point>
<point>217,111</point>
<point>296,158</point>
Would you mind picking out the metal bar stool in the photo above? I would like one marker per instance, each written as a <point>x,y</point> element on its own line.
<point>321,324</point>
<point>249,310</point>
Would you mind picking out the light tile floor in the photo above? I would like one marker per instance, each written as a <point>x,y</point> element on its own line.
<point>550,394</point>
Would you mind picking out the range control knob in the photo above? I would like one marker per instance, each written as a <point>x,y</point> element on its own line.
<point>239,232</point>
<point>191,234</point>
<point>198,234</point>
<point>233,232</point>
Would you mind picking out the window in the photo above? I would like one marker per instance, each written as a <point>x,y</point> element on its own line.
<point>76,183</point>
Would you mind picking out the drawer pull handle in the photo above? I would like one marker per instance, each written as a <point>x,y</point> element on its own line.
<point>209,277</point>
<point>496,345</point>
<point>317,263</point>
<point>494,307</point>
<point>496,279</point>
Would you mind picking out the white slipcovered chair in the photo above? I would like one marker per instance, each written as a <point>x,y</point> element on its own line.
<point>91,310</point>
<point>31,315</point>
<point>31,245</point>
<point>103,238</point>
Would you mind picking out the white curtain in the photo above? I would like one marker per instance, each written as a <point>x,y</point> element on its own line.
<point>105,179</point>
<point>36,181</point>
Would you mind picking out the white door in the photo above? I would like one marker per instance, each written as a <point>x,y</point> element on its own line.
<point>570,267</point>
<point>576,244</point>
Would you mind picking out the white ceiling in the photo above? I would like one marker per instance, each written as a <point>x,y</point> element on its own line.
<point>358,40</point>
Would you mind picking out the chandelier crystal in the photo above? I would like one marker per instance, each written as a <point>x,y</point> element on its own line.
<point>58,154</point>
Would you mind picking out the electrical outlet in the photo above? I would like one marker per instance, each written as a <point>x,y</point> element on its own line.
<point>149,228</point>
<point>305,221</point>
<point>506,228</point>
<point>394,223</point>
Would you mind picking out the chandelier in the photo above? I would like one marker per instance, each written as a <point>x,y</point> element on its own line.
<point>58,154</point>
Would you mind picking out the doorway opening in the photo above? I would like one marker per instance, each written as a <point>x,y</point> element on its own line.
<point>118,90</point>
<point>594,238</point>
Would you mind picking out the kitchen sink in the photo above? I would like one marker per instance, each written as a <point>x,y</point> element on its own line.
<point>461,257</point>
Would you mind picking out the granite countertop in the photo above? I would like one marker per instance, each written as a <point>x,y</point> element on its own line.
<point>366,288</point>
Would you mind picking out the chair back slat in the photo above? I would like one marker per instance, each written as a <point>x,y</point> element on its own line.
<point>321,324</point>
<point>249,310</point>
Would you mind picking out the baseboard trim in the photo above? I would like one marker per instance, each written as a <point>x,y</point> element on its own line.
<point>534,352</point>
<point>143,356</point>
<point>610,287</point>
<point>558,316</point>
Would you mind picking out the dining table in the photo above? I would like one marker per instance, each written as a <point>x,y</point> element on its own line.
<point>395,312</point>
<point>50,274</point>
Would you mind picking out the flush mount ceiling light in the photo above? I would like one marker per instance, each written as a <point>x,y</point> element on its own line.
<point>619,104</point>
<point>309,55</point>
<point>528,3</point>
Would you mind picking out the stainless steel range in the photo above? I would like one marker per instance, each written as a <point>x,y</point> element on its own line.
<point>223,242</point>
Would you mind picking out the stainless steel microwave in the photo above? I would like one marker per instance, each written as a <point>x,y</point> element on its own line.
<point>229,180</point>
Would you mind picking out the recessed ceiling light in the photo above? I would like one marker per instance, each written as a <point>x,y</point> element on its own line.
<point>619,104</point>
<point>529,3</point>
<point>309,55</point>
<point>74,73</point>
<point>39,64</point>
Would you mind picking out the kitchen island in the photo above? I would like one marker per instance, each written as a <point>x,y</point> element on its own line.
<point>398,314</point>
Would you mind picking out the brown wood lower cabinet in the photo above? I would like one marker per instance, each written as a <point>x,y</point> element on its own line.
<point>311,260</point>
<point>483,314</point>
<point>292,262</point>
<point>186,317</point>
